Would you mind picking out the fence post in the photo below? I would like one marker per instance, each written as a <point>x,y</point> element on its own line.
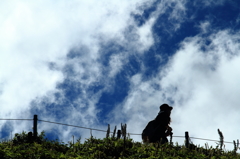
<point>35,118</point>
<point>108,131</point>
<point>119,134</point>
<point>114,132</point>
<point>171,143</point>
<point>186,139</point>
<point>30,137</point>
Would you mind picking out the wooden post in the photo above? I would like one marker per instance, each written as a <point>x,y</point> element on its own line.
<point>124,133</point>
<point>73,140</point>
<point>30,137</point>
<point>119,134</point>
<point>171,143</point>
<point>35,118</point>
<point>124,130</point>
<point>114,132</point>
<point>186,139</point>
<point>108,131</point>
<point>91,133</point>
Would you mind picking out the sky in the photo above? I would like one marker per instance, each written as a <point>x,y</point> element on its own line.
<point>93,63</point>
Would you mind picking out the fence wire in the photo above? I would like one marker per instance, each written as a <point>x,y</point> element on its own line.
<point>112,132</point>
<point>73,125</point>
<point>16,119</point>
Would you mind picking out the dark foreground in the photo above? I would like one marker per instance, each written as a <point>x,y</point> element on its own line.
<point>21,148</point>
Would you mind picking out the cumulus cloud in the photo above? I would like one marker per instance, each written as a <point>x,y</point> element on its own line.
<point>200,81</point>
<point>57,59</point>
<point>37,39</point>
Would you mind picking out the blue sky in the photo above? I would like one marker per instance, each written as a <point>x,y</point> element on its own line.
<point>93,63</point>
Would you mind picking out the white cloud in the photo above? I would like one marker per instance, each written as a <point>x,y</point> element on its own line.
<point>209,3</point>
<point>37,36</point>
<point>202,83</point>
<point>205,27</point>
<point>116,63</point>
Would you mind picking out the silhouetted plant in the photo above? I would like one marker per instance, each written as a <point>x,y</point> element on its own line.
<point>27,138</point>
<point>114,132</point>
<point>108,131</point>
<point>221,139</point>
<point>236,146</point>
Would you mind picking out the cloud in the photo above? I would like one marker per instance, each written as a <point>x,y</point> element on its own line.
<point>57,59</point>
<point>209,3</point>
<point>36,63</point>
<point>204,27</point>
<point>200,81</point>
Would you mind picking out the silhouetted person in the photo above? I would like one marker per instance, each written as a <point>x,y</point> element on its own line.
<point>158,129</point>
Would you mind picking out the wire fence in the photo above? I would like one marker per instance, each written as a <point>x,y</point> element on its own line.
<point>73,125</point>
<point>81,127</point>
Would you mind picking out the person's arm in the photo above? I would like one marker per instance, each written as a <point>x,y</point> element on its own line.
<point>169,131</point>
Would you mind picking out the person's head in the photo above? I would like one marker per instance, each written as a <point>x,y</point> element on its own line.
<point>166,108</point>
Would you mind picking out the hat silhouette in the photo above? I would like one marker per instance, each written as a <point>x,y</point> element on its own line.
<point>165,107</point>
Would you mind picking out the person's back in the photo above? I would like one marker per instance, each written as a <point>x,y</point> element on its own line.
<point>162,122</point>
<point>148,131</point>
<point>158,129</point>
